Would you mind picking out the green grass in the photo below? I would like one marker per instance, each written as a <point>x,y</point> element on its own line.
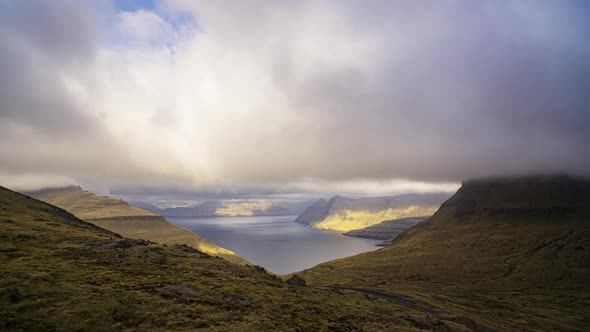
<point>86,205</point>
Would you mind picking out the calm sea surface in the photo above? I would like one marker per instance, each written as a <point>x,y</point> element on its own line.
<point>277,243</point>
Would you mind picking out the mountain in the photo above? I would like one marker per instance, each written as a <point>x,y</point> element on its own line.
<point>130,221</point>
<point>344,214</point>
<point>146,206</point>
<point>59,273</point>
<point>387,229</point>
<point>88,206</point>
<point>295,207</point>
<point>231,209</point>
<point>205,209</point>
<point>511,253</point>
<point>244,208</point>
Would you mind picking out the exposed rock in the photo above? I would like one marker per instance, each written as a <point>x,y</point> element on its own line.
<point>14,295</point>
<point>296,280</point>
<point>175,290</point>
<point>245,303</point>
<point>232,301</point>
<point>118,244</point>
<point>114,245</point>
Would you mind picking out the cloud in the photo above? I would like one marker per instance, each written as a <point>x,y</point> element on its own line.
<point>29,182</point>
<point>48,125</point>
<point>262,97</point>
<point>305,189</point>
<point>143,26</point>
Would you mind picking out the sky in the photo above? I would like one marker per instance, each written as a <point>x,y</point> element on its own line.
<point>290,99</point>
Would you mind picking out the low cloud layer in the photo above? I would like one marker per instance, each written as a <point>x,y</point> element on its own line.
<point>263,98</point>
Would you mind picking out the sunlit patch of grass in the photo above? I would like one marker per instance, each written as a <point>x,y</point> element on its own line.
<point>85,205</point>
<point>349,219</point>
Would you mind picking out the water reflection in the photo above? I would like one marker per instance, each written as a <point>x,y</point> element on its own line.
<point>277,243</point>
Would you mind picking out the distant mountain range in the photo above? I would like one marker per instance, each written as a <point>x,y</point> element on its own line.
<point>226,209</point>
<point>345,214</point>
<point>130,221</point>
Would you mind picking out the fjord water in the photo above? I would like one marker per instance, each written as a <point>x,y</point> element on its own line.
<point>276,243</point>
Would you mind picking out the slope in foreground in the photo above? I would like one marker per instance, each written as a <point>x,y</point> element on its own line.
<point>511,253</point>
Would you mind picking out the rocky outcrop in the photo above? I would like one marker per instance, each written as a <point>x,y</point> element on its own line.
<point>296,280</point>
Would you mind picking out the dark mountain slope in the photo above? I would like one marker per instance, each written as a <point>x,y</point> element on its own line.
<point>315,212</point>
<point>512,253</point>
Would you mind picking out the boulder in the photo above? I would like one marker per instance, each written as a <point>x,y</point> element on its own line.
<point>296,280</point>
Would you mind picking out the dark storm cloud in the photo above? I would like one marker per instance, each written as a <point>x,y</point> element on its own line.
<point>47,133</point>
<point>460,89</point>
<point>40,40</point>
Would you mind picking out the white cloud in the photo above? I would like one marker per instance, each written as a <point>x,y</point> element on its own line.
<point>262,94</point>
<point>144,27</point>
<point>28,182</point>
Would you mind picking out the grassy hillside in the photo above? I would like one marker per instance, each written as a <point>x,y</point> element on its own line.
<point>129,221</point>
<point>86,205</point>
<point>60,273</point>
<point>513,254</point>
<point>346,214</point>
<point>387,229</point>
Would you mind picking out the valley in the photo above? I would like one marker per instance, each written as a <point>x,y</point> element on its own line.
<point>480,263</point>
<point>276,242</point>
<point>61,273</point>
<point>294,166</point>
